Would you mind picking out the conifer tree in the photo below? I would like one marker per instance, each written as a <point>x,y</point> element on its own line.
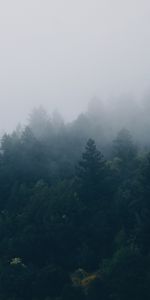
<point>90,173</point>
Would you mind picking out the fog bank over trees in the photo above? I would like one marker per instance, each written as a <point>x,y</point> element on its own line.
<point>122,112</point>
<point>61,53</point>
<point>102,120</point>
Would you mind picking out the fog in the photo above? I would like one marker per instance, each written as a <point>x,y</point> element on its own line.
<point>60,54</point>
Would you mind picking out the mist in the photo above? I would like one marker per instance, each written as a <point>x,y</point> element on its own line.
<point>61,54</point>
<point>75,149</point>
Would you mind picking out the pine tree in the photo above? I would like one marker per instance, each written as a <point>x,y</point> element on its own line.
<point>90,174</point>
<point>124,148</point>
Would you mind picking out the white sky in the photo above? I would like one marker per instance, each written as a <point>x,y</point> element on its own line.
<point>61,53</point>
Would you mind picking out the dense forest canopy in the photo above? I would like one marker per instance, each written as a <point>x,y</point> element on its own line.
<point>74,206</point>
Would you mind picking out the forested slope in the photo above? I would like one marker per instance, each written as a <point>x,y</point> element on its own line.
<point>74,222</point>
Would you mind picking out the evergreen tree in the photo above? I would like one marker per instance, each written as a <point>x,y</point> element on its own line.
<point>91,174</point>
<point>124,147</point>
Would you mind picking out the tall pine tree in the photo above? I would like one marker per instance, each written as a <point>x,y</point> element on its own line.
<point>91,174</point>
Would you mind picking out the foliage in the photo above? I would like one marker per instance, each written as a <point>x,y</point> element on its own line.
<point>73,225</point>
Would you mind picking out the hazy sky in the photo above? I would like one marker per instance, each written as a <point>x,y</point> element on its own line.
<point>61,53</point>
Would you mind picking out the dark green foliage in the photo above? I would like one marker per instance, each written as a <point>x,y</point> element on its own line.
<point>71,227</point>
<point>91,174</point>
<point>124,147</point>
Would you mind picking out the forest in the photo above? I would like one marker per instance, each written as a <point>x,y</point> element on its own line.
<point>75,208</point>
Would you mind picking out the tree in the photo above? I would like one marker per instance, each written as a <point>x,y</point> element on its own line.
<point>124,147</point>
<point>40,123</point>
<point>91,174</point>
